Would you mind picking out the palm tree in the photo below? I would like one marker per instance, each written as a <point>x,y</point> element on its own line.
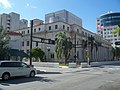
<point>117,31</point>
<point>63,46</point>
<point>92,43</point>
<point>116,52</point>
<point>4,49</point>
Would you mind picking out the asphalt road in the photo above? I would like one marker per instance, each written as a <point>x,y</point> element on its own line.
<point>95,78</point>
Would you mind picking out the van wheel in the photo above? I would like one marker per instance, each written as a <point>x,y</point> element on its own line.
<point>32,74</point>
<point>5,76</point>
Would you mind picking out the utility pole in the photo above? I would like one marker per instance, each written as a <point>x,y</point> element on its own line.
<point>31,42</point>
<point>75,48</point>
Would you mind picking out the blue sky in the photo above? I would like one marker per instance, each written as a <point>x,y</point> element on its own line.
<point>87,10</point>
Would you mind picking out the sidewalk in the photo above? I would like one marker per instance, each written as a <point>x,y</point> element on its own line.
<point>62,69</point>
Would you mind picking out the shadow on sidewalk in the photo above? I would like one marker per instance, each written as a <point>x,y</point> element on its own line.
<point>45,72</point>
<point>19,80</point>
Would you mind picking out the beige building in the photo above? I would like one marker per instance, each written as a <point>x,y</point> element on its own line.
<point>74,30</point>
<point>49,31</point>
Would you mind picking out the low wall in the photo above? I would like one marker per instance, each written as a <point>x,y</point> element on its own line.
<point>72,65</point>
<point>45,64</point>
<point>94,64</point>
<point>84,65</point>
<point>103,63</point>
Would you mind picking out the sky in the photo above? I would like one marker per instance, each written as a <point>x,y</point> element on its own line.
<point>87,10</point>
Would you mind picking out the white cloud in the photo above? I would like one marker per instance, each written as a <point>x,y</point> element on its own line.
<point>5,3</point>
<point>28,5</point>
<point>34,7</point>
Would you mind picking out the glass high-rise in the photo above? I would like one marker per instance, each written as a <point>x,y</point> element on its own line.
<point>110,22</point>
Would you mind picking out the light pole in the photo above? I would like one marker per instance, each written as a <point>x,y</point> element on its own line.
<point>75,49</point>
<point>31,42</point>
<point>48,49</point>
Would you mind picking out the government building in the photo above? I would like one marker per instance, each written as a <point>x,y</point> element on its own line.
<point>64,20</point>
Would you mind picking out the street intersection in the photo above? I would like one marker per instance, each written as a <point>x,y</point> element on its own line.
<point>94,78</point>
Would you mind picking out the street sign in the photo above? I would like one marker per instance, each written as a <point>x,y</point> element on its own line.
<point>117,43</point>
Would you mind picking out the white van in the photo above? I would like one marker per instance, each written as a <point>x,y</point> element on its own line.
<point>15,68</point>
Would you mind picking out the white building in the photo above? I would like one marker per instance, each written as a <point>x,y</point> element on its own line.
<point>15,40</point>
<point>49,31</point>
<point>15,45</point>
<point>110,22</point>
<point>11,21</point>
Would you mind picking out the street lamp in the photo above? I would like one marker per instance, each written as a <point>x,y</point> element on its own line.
<point>48,49</point>
<point>31,42</point>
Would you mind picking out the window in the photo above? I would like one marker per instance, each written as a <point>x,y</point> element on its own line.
<point>28,31</point>
<point>82,33</point>
<point>39,29</point>
<point>109,29</point>
<point>27,43</point>
<point>104,32</point>
<point>77,30</point>
<point>22,43</point>
<point>115,35</point>
<point>104,29</point>
<point>24,65</point>
<point>85,34</point>
<point>36,43</point>
<point>108,36</point>
<point>56,26</point>
<point>52,55</point>
<point>23,32</point>
<point>27,51</point>
<point>68,28</point>
<point>49,27</point>
<point>35,30</point>
<point>11,64</point>
<point>115,39</point>
<point>63,26</point>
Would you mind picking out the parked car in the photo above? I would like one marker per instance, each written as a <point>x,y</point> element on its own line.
<point>15,68</point>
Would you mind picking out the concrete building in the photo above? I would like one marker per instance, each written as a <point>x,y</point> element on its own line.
<point>11,21</point>
<point>64,16</point>
<point>77,34</point>
<point>23,23</point>
<point>15,40</point>
<point>110,22</point>
<point>37,22</point>
<point>15,45</point>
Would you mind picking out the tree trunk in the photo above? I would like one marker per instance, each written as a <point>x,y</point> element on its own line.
<point>65,62</point>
